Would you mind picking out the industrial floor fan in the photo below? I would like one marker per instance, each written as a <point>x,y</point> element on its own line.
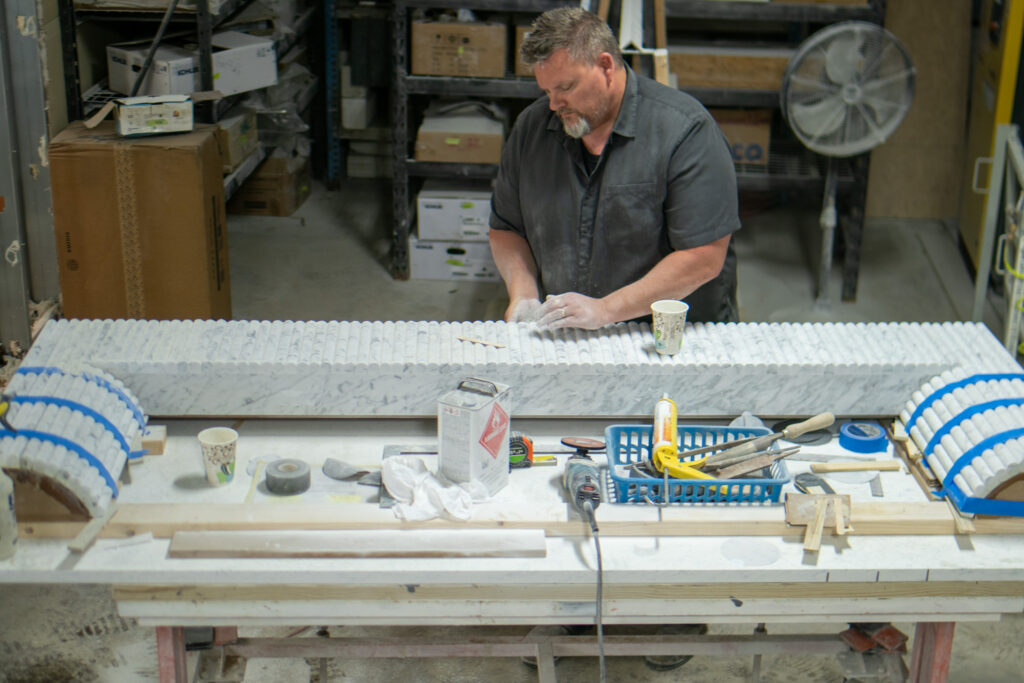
<point>844,91</point>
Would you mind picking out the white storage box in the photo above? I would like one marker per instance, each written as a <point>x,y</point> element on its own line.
<point>241,62</point>
<point>450,210</point>
<point>450,260</point>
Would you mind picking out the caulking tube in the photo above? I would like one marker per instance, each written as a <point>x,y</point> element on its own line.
<point>666,434</point>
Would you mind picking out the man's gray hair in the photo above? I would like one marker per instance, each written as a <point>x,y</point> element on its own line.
<point>583,34</point>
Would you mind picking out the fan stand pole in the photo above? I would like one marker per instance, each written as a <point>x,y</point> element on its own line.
<point>828,232</point>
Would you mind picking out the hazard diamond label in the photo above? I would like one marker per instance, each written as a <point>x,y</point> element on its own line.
<point>496,431</point>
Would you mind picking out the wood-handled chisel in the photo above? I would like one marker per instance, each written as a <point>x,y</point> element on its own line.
<point>762,442</point>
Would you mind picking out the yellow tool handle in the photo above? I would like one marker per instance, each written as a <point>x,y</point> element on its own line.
<point>870,466</point>
<point>677,469</point>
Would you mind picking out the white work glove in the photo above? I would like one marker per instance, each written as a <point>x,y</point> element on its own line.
<point>524,311</point>
<point>572,310</point>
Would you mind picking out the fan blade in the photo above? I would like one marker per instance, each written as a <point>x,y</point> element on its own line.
<point>883,108</point>
<point>876,136</point>
<point>892,79</point>
<point>820,118</point>
<point>843,57</point>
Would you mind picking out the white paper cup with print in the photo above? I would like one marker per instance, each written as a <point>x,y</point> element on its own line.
<point>219,445</point>
<point>668,319</point>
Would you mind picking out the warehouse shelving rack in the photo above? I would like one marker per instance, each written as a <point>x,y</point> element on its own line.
<point>82,104</point>
<point>790,166</point>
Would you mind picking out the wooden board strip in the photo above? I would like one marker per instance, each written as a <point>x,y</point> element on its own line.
<point>377,543</point>
<point>567,592</point>
<point>868,519</point>
<point>91,531</point>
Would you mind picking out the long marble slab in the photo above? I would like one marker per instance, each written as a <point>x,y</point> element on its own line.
<point>354,369</point>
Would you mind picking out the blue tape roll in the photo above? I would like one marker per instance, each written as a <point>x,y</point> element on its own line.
<point>863,437</point>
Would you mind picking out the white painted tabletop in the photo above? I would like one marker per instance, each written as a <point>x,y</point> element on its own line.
<point>178,477</point>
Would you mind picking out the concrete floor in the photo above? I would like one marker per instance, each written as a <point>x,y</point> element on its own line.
<point>329,262</point>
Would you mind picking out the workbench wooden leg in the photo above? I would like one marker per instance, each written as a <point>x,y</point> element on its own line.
<point>933,647</point>
<point>225,635</point>
<point>170,654</point>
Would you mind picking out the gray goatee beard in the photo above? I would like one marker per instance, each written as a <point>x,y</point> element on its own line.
<point>576,129</point>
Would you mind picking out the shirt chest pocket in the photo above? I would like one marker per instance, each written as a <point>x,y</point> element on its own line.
<point>631,213</point>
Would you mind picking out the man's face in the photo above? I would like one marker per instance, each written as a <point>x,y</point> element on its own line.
<point>580,94</point>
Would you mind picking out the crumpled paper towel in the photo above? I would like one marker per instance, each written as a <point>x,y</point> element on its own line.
<point>422,496</point>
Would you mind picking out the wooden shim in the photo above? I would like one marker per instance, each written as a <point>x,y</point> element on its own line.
<point>962,524</point>
<point>154,439</point>
<point>822,590</point>
<point>163,520</point>
<point>376,543</point>
<point>812,537</point>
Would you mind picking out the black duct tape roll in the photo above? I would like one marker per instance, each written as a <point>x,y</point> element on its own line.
<point>287,477</point>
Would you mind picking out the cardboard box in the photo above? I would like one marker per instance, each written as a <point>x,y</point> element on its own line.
<point>358,113</point>
<point>173,71</point>
<point>238,138</point>
<point>521,68</point>
<point>277,188</point>
<point>148,115</point>
<point>451,260</point>
<point>458,49</point>
<point>368,165</point>
<point>140,224</point>
<point>453,210</point>
<point>748,132</point>
<point>241,62</point>
<point>737,68</point>
<point>472,433</point>
<point>468,138</point>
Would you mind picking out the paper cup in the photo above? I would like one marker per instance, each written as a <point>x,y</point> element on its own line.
<point>219,445</point>
<point>668,319</point>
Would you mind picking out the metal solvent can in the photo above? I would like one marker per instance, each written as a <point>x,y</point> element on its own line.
<point>472,433</point>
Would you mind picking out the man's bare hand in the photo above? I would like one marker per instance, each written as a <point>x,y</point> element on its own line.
<point>573,310</point>
<point>523,311</point>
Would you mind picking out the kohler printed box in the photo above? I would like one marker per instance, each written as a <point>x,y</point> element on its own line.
<point>241,62</point>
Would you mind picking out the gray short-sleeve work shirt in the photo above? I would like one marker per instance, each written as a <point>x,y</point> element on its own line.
<point>665,181</point>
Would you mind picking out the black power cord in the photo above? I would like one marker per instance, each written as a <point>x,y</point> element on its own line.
<point>588,510</point>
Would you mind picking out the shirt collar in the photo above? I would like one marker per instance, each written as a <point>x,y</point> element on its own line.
<point>625,124</point>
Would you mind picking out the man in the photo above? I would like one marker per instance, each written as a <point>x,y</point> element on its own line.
<point>613,191</point>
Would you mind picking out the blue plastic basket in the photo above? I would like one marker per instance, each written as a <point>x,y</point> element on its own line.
<point>631,444</point>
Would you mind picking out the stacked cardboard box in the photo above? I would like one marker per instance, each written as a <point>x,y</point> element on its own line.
<point>241,62</point>
<point>748,132</point>
<point>277,187</point>
<point>140,224</point>
<point>452,221</point>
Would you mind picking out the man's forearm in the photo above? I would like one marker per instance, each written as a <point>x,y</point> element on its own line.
<point>674,277</point>
<point>515,263</point>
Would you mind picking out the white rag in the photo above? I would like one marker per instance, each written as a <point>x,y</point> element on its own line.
<point>422,496</point>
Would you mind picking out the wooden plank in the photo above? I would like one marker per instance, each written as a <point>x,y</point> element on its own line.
<point>860,466</point>
<point>377,543</point>
<point>812,537</point>
<point>868,518</point>
<point>230,592</point>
